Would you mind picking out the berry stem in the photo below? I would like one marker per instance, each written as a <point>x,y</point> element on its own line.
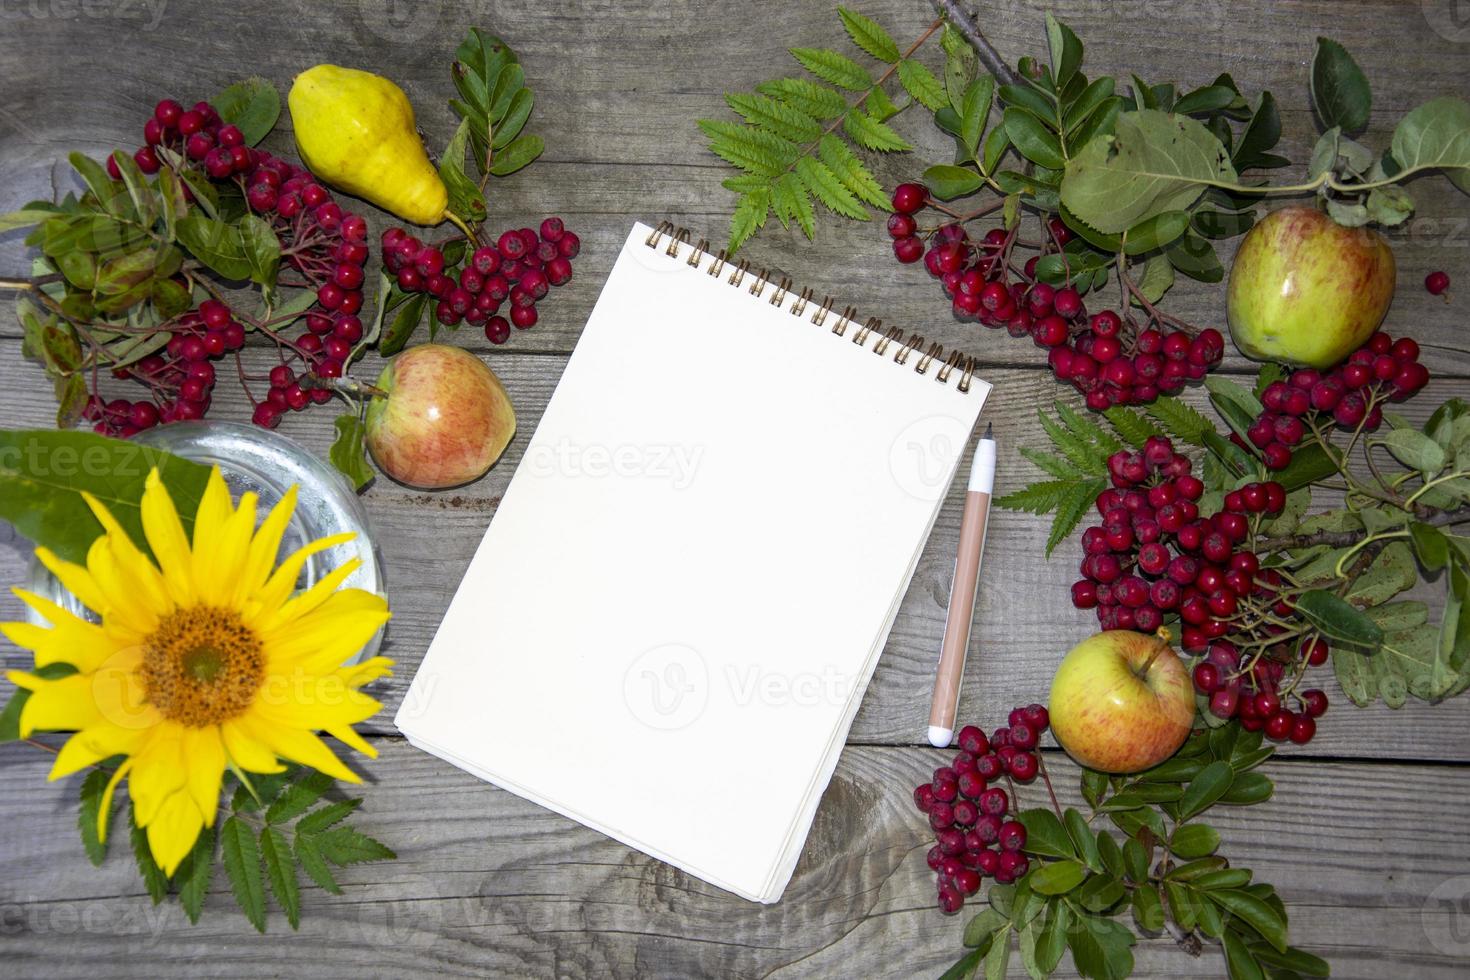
<point>1041,767</point>
<point>460,223</point>
<point>989,57</point>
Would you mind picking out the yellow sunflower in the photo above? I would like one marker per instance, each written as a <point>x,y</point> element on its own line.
<point>203,661</point>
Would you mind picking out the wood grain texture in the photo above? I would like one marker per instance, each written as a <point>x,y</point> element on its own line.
<point>492,884</point>
<point>1369,855</point>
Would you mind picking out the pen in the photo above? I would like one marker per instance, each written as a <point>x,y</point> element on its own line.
<point>962,593</point>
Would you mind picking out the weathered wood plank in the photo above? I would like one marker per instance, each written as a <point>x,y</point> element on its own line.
<point>617,97</point>
<point>1024,624</point>
<point>493,884</point>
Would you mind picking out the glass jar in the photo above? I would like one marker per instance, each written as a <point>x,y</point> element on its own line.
<point>254,459</point>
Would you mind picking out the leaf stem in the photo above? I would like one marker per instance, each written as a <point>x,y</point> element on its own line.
<point>989,57</point>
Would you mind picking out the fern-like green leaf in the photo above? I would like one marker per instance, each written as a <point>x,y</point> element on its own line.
<point>242,865</point>
<point>749,217</point>
<point>825,187</point>
<point>194,874</point>
<point>750,149</point>
<point>1041,497</point>
<point>1132,426</point>
<point>745,183</point>
<point>1054,465</point>
<point>1088,429</point>
<point>869,132</point>
<point>1071,509</point>
<point>868,35</point>
<point>830,66</point>
<point>153,877</point>
<point>311,860</point>
<point>805,95</point>
<point>281,869</point>
<point>920,82</point>
<point>766,113</point>
<point>791,201</point>
<point>1083,454</point>
<point>850,170</point>
<point>1181,420</point>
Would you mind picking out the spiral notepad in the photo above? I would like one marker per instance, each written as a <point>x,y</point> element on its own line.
<point>670,622</point>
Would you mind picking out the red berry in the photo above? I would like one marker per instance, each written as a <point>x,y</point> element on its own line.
<point>552,229</point>
<point>908,250</point>
<point>1303,727</point>
<point>266,415</point>
<point>1437,283</point>
<point>908,198</point>
<point>569,245</point>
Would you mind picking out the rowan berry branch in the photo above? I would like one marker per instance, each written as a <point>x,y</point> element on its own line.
<point>989,57</point>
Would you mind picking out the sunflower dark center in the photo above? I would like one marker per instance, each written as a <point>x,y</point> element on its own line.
<point>202,666</point>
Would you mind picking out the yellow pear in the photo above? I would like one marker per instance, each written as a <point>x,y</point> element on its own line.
<point>355,130</point>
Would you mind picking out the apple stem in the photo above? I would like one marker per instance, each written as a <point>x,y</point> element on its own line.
<point>345,386</point>
<point>1143,670</point>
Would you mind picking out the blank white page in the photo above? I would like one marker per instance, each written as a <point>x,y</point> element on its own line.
<point>670,622</point>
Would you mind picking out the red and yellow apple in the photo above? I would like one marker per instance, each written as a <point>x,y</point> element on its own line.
<point>1121,701</point>
<point>1306,290</point>
<point>443,419</point>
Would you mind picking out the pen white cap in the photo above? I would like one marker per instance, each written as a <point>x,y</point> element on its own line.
<point>940,738</point>
<point>982,470</point>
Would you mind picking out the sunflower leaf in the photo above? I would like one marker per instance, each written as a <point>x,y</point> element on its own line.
<point>309,856</point>
<point>282,871</point>
<point>297,797</point>
<point>91,807</point>
<point>194,874</point>
<point>345,845</point>
<point>242,865</point>
<point>153,877</point>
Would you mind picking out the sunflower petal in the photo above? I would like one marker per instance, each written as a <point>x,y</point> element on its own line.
<point>93,744</point>
<point>265,546</point>
<point>367,671</point>
<point>172,831</point>
<point>298,746</point>
<point>76,578</point>
<point>319,704</point>
<point>346,735</point>
<point>204,758</point>
<point>165,533</point>
<point>120,593</point>
<point>218,569</point>
<point>105,809</point>
<point>325,638</point>
<point>64,704</point>
<point>305,602</point>
<point>143,575</point>
<point>246,752</point>
<point>159,771</point>
<point>282,581</point>
<point>70,639</point>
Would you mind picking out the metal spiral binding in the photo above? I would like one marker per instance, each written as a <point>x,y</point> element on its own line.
<point>934,353</point>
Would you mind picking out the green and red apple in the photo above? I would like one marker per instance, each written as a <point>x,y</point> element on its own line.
<point>1121,701</point>
<point>1306,290</point>
<point>444,418</point>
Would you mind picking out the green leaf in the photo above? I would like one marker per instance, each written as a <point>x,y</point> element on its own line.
<point>327,815</point>
<point>465,198</point>
<point>749,217</point>
<point>520,152</point>
<point>281,870</point>
<point>1131,425</point>
<point>850,170</point>
<point>868,35</point>
<point>948,182</point>
<point>1083,839</point>
<point>1431,546</point>
<point>964,968</point>
<point>1155,233</point>
<point>1340,91</point>
<point>90,810</point>
<point>1293,959</point>
<point>869,132</point>
<point>1181,420</point>
<point>241,858</point>
<point>1153,163</point>
<point>1248,788</point>
<point>44,472</point>
<point>262,249</point>
<point>1035,141</point>
<point>1203,790</point>
<point>1065,49</point>
<point>1253,912</point>
<point>298,796</point>
<point>1045,834</point>
<point>1056,877</point>
<point>998,959</point>
<point>405,322</point>
<point>1339,620</point>
<point>311,860</point>
<point>1415,450</point>
<point>1157,279</point>
<point>1436,134</point>
<point>789,196</point>
<point>1071,510</point>
<point>1135,858</point>
<point>1148,909</point>
<point>1238,959</point>
<point>830,66</point>
<point>1206,99</point>
<point>344,845</point>
<point>1100,948</point>
<point>1083,454</point>
<point>348,453</point>
<point>806,96</point>
<point>217,244</point>
<point>921,83</point>
<point>1051,464</point>
<point>509,126</point>
<point>195,873</point>
<point>1194,840</point>
<point>1222,878</point>
<point>1389,206</point>
<point>1039,498</point>
<point>252,106</point>
<point>983,926</point>
<point>777,117</point>
<point>153,877</point>
<point>825,187</point>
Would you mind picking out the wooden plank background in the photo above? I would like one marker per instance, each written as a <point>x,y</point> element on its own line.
<point>1366,838</point>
